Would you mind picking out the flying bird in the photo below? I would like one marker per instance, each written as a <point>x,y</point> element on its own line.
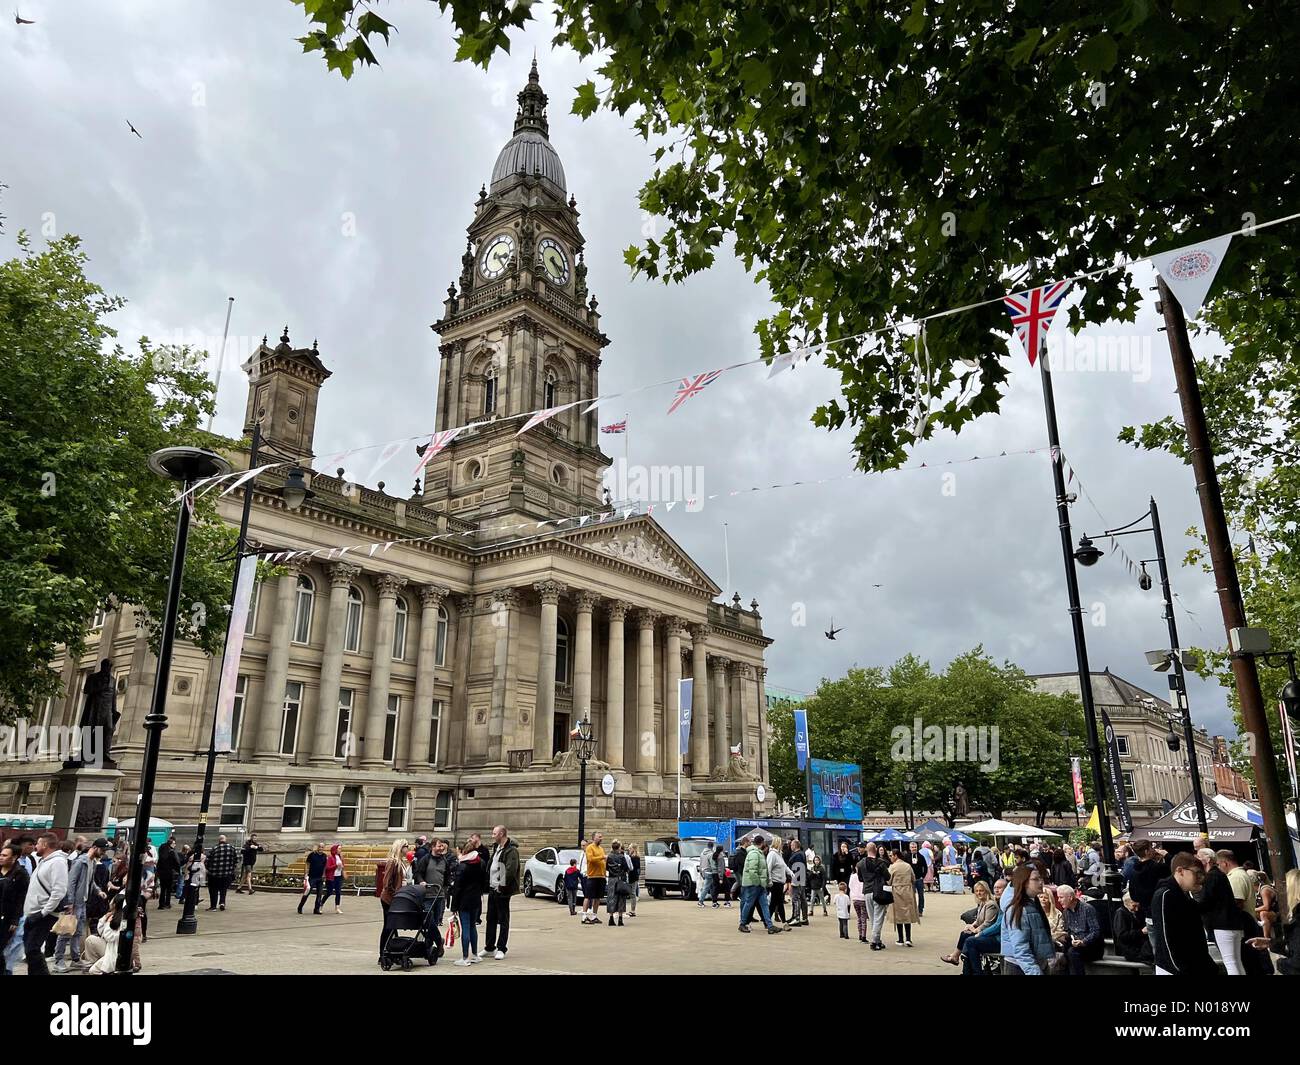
<point>133,129</point>
<point>833,630</point>
<point>23,21</point>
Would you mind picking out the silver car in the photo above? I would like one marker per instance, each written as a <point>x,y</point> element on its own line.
<point>544,871</point>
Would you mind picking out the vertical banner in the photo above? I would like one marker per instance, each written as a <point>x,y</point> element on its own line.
<point>234,648</point>
<point>1116,776</point>
<point>1076,776</point>
<point>685,697</point>
<point>801,739</point>
<point>1288,748</point>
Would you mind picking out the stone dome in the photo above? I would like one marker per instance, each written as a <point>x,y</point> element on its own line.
<point>529,151</point>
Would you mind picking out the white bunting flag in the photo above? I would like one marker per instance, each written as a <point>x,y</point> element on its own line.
<point>787,360</point>
<point>1189,271</point>
<point>542,415</point>
<point>248,475</point>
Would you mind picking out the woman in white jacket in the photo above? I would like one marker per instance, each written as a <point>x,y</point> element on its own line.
<point>778,875</point>
<point>101,949</point>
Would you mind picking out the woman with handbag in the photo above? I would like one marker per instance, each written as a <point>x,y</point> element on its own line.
<point>393,875</point>
<point>986,912</point>
<point>904,911</point>
<point>333,881</point>
<point>467,902</point>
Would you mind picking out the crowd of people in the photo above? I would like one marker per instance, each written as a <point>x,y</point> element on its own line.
<point>1037,908</point>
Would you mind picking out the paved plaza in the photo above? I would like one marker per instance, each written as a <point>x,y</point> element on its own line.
<point>264,934</point>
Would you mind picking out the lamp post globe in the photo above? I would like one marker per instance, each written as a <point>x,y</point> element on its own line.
<point>295,491</point>
<point>1290,697</point>
<point>1087,553</point>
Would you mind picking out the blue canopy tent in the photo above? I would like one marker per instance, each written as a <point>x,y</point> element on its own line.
<point>889,835</point>
<point>933,825</point>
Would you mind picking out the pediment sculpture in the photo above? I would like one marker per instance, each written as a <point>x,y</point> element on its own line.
<point>641,552</point>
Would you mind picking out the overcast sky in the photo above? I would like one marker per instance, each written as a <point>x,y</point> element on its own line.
<point>340,210</point>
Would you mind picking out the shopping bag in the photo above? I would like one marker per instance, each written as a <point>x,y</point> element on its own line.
<point>66,925</point>
<point>453,929</point>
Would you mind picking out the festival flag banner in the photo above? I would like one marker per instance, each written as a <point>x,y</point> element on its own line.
<point>233,649</point>
<point>1076,778</point>
<point>1032,313</point>
<point>1189,271</point>
<point>801,739</point>
<point>685,695</point>
<point>693,386</point>
<point>1116,775</point>
<point>436,443</point>
<point>543,415</point>
<point>248,475</point>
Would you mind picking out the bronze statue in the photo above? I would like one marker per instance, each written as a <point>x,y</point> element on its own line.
<point>959,800</point>
<point>100,711</point>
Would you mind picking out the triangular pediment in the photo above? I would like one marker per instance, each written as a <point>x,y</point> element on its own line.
<point>640,542</point>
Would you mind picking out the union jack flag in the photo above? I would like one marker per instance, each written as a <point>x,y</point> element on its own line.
<point>615,427</point>
<point>690,386</point>
<point>1032,312</point>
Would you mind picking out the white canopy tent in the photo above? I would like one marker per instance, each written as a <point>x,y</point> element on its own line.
<point>999,828</point>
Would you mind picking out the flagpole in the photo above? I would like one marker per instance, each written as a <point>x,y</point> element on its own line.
<point>221,358</point>
<point>726,554</point>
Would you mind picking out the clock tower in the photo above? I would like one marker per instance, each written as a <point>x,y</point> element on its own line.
<point>520,332</point>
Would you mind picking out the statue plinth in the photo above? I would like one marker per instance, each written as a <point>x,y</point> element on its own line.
<point>83,798</point>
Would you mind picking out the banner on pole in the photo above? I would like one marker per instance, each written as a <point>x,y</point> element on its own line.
<point>1116,776</point>
<point>801,738</point>
<point>685,696</point>
<point>1288,745</point>
<point>1076,775</point>
<point>223,733</point>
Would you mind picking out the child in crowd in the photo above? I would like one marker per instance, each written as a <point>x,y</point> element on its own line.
<point>572,879</point>
<point>843,907</point>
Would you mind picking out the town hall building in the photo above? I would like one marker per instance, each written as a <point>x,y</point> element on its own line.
<point>433,684</point>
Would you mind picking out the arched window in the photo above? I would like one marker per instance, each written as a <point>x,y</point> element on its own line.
<point>548,390</point>
<point>561,652</point>
<point>352,628</point>
<point>440,649</point>
<point>490,391</point>
<point>303,609</point>
<point>250,622</point>
<point>234,805</point>
<point>399,629</point>
<point>350,809</point>
<point>294,814</point>
<point>398,806</point>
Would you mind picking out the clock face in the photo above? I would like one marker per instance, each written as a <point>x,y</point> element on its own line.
<point>553,261</point>
<point>496,256</point>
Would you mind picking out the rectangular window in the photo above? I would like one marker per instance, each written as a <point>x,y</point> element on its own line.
<point>390,727</point>
<point>234,805</point>
<point>1121,742</point>
<point>1130,791</point>
<point>352,626</point>
<point>440,642</point>
<point>435,723</point>
<point>97,622</point>
<point>399,634</point>
<point>22,796</point>
<point>397,808</point>
<point>237,710</point>
<point>289,723</point>
<point>442,811</point>
<point>343,731</point>
<point>295,807</point>
<point>350,808</point>
<point>250,623</point>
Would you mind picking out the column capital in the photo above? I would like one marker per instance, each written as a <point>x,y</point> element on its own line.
<point>761,671</point>
<point>389,584</point>
<point>617,609</point>
<point>675,627</point>
<point>699,632</point>
<point>507,598</point>
<point>585,600</point>
<point>743,669</point>
<point>342,574</point>
<point>549,591</point>
<point>465,602</point>
<point>719,661</point>
<point>645,617</point>
<point>432,596</point>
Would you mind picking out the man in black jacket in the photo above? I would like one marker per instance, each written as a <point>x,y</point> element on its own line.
<point>1177,934</point>
<point>169,868</point>
<point>435,871</point>
<point>916,860</point>
<point>737,867</point>
<point>13,892</point>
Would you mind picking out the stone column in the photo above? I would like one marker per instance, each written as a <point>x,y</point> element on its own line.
<point>457,744</point>
<point>586,601</point>
<point>504,603</point>
<point>544,712</point>
<point>267,727</point>
<point>645,760</point>
<point>614,686</point>
<point>700,713</point>
<point>381,668</point>
<point>673,630</point>
<point>413,741</point>
<point>748,711</point>
<point>331,669</point>
<point>762,722</point>
<point>721,714</point>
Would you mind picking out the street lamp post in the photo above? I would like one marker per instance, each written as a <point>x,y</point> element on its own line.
<point>1087,555</point>
<point>294,493</point>
<point>1173,657</point>
<point>585,745</point>
<point>186,465</point>
<point>909,797</point>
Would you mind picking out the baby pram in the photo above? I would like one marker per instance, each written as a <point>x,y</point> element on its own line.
<point>411,910</point>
